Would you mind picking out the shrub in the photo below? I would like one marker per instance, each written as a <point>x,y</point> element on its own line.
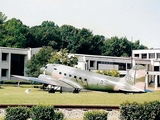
<point>17,113</point>
<point>137,111</point>
<point>95,115</point>
<point>45,112</point>
<point>59,116</point>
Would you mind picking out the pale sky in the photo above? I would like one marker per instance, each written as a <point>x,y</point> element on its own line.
<point>137,19</point>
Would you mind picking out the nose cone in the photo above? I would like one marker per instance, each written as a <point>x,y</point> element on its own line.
<point>42,69</point>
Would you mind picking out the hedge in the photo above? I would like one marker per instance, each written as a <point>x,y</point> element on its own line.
<point>95,115</point>
<point>139,111</point>
<point>39,112</point>
<point>17,113</point>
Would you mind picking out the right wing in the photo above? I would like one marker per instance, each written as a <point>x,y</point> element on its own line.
<point>46,80</point>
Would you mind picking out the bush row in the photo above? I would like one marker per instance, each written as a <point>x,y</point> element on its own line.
<point>40,112</point>
<point>95,115</point>
<point>139,111</point>
<point>46,112</point>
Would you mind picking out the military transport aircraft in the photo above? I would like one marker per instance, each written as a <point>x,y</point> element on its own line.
<point>58,75</point>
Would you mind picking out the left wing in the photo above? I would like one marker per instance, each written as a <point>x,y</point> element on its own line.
<point>47,80</point>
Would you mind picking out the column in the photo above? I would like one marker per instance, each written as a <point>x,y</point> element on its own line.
<point>156,82</point>
<point>146,81</point>
<point>8,75</point>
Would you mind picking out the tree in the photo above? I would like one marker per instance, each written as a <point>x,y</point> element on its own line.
<point>15,34</point>
<point>38,60</point>
<point>3,18</point>
<point>136,45</point>
<point>117,47</point>
<point>63,57</point>
<point>46,34</point>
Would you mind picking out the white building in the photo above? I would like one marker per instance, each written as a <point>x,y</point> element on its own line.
<point>13,60</point>
<point>97,62</point>
<point>151,59</point>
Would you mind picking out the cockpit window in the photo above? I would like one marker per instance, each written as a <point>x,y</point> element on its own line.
<point>46,67</point>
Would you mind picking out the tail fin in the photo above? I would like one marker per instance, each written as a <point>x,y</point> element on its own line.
<point>136,75</point>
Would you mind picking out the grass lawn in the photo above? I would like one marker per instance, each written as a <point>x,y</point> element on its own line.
<point>11,94</point>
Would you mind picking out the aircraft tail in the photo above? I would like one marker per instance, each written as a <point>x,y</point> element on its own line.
<point>136,76</point>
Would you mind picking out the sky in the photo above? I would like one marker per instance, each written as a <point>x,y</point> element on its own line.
<point>133,19</point>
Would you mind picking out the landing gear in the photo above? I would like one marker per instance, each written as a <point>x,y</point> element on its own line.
<point>54,89</point>
<point>76,90</point>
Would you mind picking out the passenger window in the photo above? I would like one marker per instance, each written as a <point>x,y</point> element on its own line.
<point>65,74</point>
<point>60,72</point>
<point>75,76</point>
<point>55,68</point>
<point>80,78</point>
<point>70,75</point>
<point>85,79</point>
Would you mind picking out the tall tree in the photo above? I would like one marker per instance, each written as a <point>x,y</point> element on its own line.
<point>38,60</point>
<point>136,45</point>
<point>3,18</point>
<point>63,57</point>
<point>15,34</point>
<point>117,47</point>
<point>46,34</point>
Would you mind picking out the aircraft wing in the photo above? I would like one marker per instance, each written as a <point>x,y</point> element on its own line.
<point>47,80</point>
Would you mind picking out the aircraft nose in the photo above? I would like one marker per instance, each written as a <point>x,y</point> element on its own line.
<point>42,69</point>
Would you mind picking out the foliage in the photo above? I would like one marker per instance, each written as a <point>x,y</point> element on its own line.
<point>114,73</point>
<point>116,47</point>
<point>45,34</point>
<point>13,33</point>
<point>39,112</point>
<point>136,45</point>
<point>95,115</point>
<point>138,111</point>
<point>3,18</point>
<point>17,113</point>
<point>42,112</point>
<point>63,57</point>
<point>38,60</point>
<point>59,115</point>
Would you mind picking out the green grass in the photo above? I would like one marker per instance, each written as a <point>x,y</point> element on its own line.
<point>11,94</point>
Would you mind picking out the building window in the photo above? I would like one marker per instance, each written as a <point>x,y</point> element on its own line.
<point>4,72</point>
<point>158,55</point>
<point>136,55</point>
<point>122,66</point>
<point>4,56</point>
<point>156,68</point>
<point>92,63</point>
<point>129,66</point>
<point>144,56</point>
<point>152,55</point>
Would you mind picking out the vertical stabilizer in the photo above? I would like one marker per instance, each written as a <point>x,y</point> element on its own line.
<point>136,75</point>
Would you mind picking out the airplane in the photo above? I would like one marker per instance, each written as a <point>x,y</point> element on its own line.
<point>58,75</point>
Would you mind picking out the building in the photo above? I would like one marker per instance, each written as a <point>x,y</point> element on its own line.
<point>151,59</point>
<point>97,62</point>
<point>13,60</point>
